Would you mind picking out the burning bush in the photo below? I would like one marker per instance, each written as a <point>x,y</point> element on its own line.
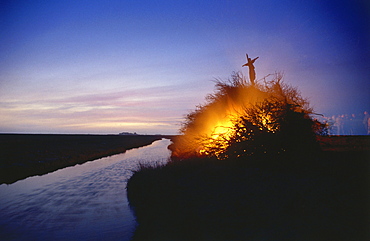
<point>242,119</point>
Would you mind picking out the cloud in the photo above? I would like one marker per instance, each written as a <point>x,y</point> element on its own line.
<point>153,109</point>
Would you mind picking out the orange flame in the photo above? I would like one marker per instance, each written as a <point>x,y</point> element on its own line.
<point>212,127</point>
<point>219,137</point>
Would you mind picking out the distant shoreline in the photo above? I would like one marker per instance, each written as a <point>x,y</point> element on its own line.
<point>344,142</point>
<point>25,155</point>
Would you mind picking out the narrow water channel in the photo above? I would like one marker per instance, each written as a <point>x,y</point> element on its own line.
<point>83,202</point>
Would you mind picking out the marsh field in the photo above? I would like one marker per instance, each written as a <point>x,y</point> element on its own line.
<point>24,155</point>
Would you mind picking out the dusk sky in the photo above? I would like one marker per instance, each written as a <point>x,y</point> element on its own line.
<point>104,67</point>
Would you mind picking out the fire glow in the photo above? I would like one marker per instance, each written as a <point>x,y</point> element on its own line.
<point>219,137</point>
<point>235,113</point>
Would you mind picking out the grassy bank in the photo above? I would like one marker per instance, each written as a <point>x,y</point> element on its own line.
<point>25,155</point>
<point>324,196</point>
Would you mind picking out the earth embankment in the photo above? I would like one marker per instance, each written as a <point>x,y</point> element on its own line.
<point>324,196</point>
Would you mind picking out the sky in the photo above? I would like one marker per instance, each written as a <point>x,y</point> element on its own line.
<point>105,67</point>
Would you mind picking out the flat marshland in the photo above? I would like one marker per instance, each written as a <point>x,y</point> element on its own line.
<point>322,196</point>
<point>24,155</point>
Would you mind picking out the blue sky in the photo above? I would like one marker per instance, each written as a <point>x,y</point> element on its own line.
<point>112,66</point>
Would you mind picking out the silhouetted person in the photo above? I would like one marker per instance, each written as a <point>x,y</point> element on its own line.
<point>366,122</point>
<point>252,73</point>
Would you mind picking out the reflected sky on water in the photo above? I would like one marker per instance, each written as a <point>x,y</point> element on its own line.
<point>83,202</point>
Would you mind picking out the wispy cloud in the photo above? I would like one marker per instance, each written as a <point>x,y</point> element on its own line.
<point>153,109</point>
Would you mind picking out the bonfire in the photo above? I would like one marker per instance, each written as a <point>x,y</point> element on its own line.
<point>242,119</point>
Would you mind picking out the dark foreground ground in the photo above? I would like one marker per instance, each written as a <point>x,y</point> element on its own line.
<point>323,196</point>
<point>23,155</point>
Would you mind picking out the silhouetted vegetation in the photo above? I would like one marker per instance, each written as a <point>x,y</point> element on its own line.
<point>326,198</point>
<point>270,118</point>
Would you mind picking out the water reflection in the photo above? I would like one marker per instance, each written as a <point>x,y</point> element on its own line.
<point>84,202</point>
